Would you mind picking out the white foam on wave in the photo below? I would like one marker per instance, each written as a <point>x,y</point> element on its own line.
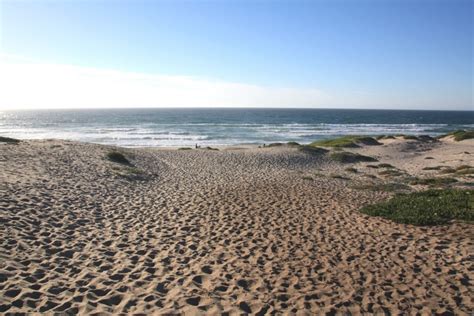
<point>156,135</point>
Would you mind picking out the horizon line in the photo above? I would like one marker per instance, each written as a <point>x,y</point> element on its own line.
<point>226,108</point>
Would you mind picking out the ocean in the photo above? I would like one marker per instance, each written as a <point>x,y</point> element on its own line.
<point>211,127</point>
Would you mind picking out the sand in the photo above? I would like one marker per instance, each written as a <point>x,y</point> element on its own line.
<point>253,230</point>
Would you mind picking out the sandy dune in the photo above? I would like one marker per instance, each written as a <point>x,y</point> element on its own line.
<point>205,232</point>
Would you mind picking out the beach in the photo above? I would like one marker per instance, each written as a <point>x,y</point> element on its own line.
<point>238,230</point>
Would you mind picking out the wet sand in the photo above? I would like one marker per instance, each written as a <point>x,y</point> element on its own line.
<point>254,230</point>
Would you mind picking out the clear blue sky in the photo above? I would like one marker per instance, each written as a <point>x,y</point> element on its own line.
<point>418,49</point>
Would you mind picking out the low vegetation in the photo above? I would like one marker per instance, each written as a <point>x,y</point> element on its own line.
<point>385,165</point>
<point>426,138</point>
<point>390,173</point>
<point>421,138</point>
<point>338,176</point>
<point>351,170</point>
<point>293,144</point>
<point>308,178</point>
<point>312,150</point>
<point>460,135</point>
<point>409,137</point>
<point>348,157</point>
<point>381,137</point>
<point>8,140</point>
<point>185,148</point>
<point>346,141</point>
<point>430,207</point>
<point>433,168</point>
<point>447,170</point>
<point>433,181</point>
<point>371,176</point>
<point>118,157</point>
<point>211,148</point>
<point>275,145</point>
<point>466,171</point>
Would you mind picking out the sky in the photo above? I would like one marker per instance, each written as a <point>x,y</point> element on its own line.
<point>378,54</point>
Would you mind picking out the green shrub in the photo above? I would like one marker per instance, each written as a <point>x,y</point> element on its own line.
<point>410,137</point>
<point>430,207</point>
<point>293,144</point>
<point>346,141</point>
<point>312,150</point>
<point>8,140</point>
<point>459,135</point>
<point>463,134</point>
<point>307,178</point>
<point>118,157</point>
<point>348,157</point>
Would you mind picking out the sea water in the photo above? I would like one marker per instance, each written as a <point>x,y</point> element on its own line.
<point>210,127</point>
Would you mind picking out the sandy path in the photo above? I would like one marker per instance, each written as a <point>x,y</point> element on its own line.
<point>211,232</point>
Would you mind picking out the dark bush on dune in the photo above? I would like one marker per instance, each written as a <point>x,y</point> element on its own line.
<point>385,165</point>
<point>347,141</point>
<point>312,150</point>
<point>369,141</point>
<point>348,157</point>
<point>442,181</point>
<point>459,135</point>
<point>8,140</point>
<point>430,207</point>
<point>427,139</point>
<point>410,137</point>
<point>433,168</point>
<point>118,157</point>
<point>390,172</point>
<point>275,145</point>
<point>463,135</point>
